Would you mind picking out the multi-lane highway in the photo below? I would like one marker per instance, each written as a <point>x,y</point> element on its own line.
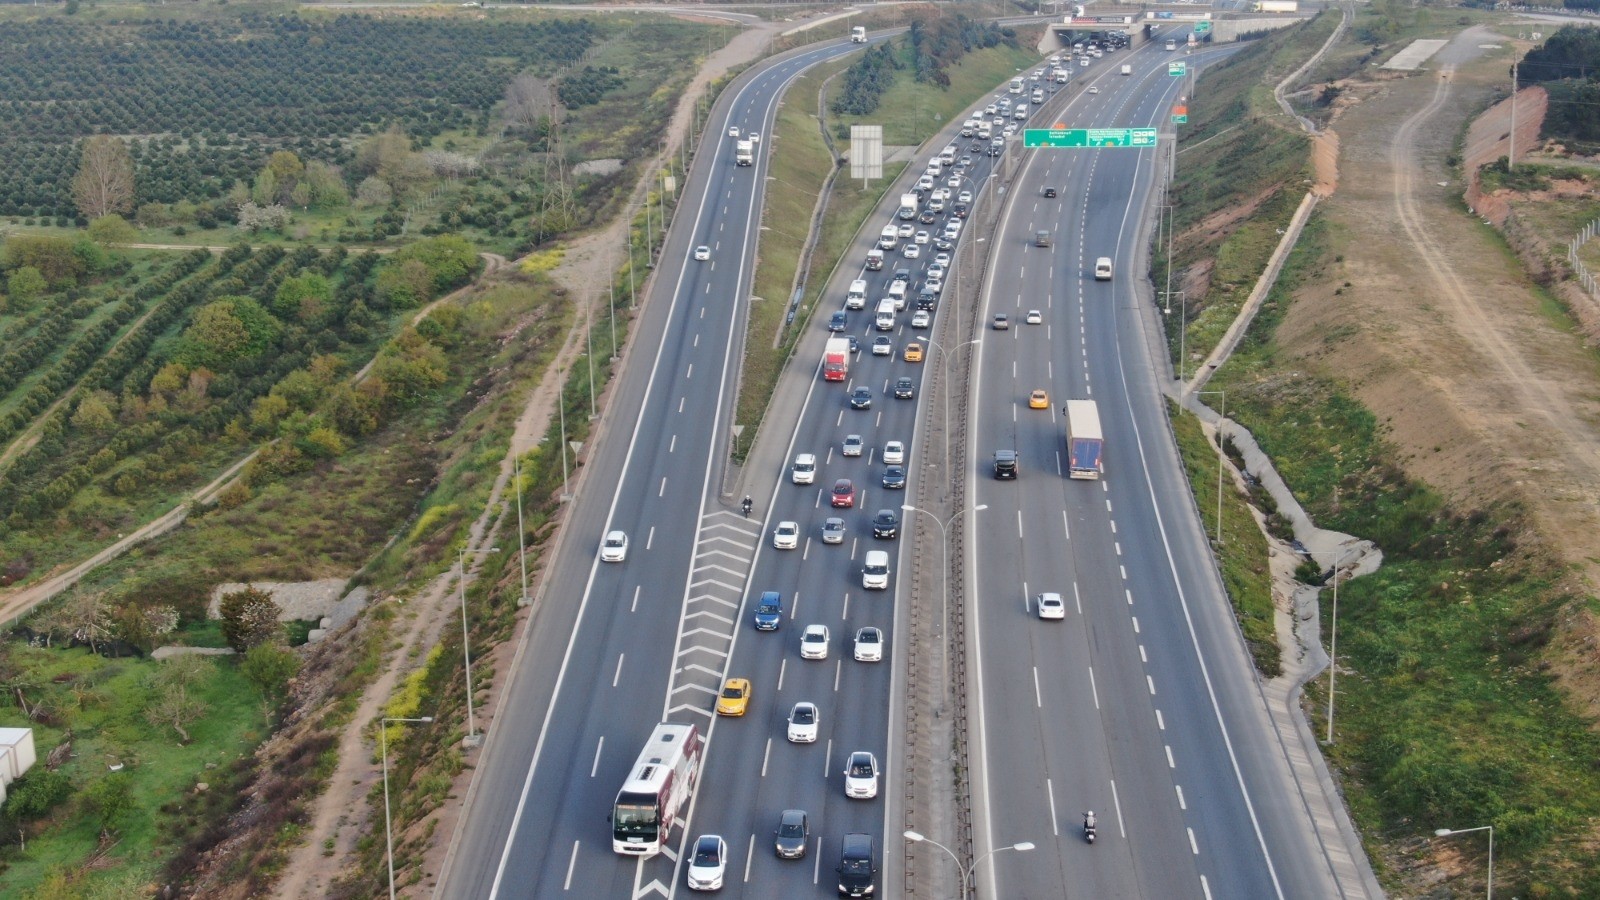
<point>1138,705</point>
<point>616,648</point>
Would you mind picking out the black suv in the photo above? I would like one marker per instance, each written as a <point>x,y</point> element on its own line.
<point>858,866</point>
<point>861,398</point>
<point>1049,192</point>
<point>886,524</point>
<point>902,275</point>
<point>1005,464</point>
<point>838,322</point>
<point>904,389</point>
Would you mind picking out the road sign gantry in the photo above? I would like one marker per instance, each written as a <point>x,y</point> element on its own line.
<point>1088,137</point>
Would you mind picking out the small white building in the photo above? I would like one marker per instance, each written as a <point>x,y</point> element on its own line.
<point>16,756</point>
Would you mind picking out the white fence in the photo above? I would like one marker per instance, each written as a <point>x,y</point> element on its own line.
<point>1579,269</point>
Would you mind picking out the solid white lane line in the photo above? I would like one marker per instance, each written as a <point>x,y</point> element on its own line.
<point>662,491</point>
<point>650,538</point>
<point>673,444</point>
<point>1038,699</point>
<point>595,766</point>
<point>617,676</point>
<point>1171,763</point>
<point>1150,683</point>
<point>571,863</point>
<point>1094,690</point>
<point>1050,792</point>
<point>1182,804</point>
<point>827,760</point>
<point>782,667</point>
<point>749,856</point>
<point>635,606</point>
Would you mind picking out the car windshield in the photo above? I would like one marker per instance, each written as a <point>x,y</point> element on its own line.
<point>804,716</point>
<point>860,767</point>
<point>731,693</point>
<point>791,829</point>
<point>868,637</point>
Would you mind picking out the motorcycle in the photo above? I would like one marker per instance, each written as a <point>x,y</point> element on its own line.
<point>1088,827</point>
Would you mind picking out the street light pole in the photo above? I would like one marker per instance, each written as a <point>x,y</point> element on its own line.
<point>967,872</point>
<point>466,642</point>
<point>944,554</point>
<point>388,830</point>
<point>1333,638</point>
<point>1446,832</point>
<point>1183,326</point>
<point>522,546</point>
<point>1221,453</point>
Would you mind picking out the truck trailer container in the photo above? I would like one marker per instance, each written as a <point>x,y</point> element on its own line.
<point>858,35</point>
<point>836,359</point>
<point>908,206</point>
<point>744,153</point>
<point>1084,443</point>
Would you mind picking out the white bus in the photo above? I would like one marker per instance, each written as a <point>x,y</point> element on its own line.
<point>660,784</point>
<point>1016,85</point>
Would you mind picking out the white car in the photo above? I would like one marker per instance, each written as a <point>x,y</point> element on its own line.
<point>991,109</point>
<point>907,231</point>
<point>702,253</point>
<point>1051,606</point>
<point>733,131</point>
<point>920,237</point>
<point>882,346</point>
<point>861,776</point>
<point>942,260</point>
<point>709,863</point>
<point>921,319</point>
<point>912,251</point>
<point>952,228</point>
<point>954,181</point>
<point>1009,130</point>
<point>814,642</point>
<point>853,445</point>
<point>786,536</point>
<point>615,547</point>
<point>935,285</point>
<point>964,197</point>
<point>1094,89</point>
<point>755,137</point>
<point>803,719</point>
<point>869,645</point>
<point>1034,317</point>
<point>894,453</point>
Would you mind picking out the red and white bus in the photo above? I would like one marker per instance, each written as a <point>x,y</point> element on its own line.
<point>659,785</point>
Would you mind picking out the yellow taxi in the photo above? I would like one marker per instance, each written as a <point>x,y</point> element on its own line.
<point>735,697</point>
<point>1038,400</point>
<point>913,352</point>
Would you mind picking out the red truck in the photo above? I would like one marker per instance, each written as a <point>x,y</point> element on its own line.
<point>836,359</point>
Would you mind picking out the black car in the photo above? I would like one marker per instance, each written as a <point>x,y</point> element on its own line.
<point>927,217</point>
<point>886,524</point>
<point>855,344</point>
<point>838,322</point>
<point>904,389</point>
<point>1005,464</point>
<point>994,151</point>
<point>902,275</point>
<point>960,211</point>
<point>943,244</point>
<point>793,830</point>
<point>1049,192</point>
<point>858,866</point>
<point>861,398</point>
<point>894,478</point>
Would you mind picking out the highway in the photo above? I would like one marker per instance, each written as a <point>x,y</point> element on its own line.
<point>1141,703</point>
<point>616,648</point>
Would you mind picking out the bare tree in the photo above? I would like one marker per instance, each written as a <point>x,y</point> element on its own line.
<point>174,708</point>
<point>104,183</point>
<point>528,99</point>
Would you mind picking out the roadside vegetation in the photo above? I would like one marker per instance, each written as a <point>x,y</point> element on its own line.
<point>1447,712</point>
<point>128,378</point>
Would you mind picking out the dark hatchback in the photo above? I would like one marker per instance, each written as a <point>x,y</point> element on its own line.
<point>769,611</point>
<point>886,524</point>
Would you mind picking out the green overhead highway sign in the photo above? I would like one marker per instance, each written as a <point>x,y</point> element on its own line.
<point>1202,27</point>
<point>1177,69</point>
<point>1178,119</point>
<point>1088,137</point>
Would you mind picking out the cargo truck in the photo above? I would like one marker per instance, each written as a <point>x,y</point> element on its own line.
<point>858,35</point>
<point>836,359</point>
<point>1127,69</point>
<point>744,153</point>
<point>1083,439</point>
<point>908,206</point>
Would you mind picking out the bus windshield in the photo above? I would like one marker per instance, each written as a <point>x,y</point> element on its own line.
<point>635,816</point>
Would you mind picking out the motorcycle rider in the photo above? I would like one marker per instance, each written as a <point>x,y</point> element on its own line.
<point>746,506</point>
<point>1088,823</point>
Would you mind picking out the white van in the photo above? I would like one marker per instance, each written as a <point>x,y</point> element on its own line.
<point>1016,86</point>
<point>897,293</point>
<point>805,469</point>
<point>884,319</point>
<point>857,297</point>
<point>875,571</point>
<point>1102,269</point>
<point>889,238</point>
<point>875,260</point>
<point>948,155</point>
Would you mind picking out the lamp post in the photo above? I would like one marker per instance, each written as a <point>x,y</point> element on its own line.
<point>522,546</point>
<point>388,831</point>
<point>1183,326</point>
<point>1333,638</point>
<point>944,553</point>
<point>1446,832</point>
<point>466,642</point>
<point>967,872</point>
<point>944,360</point>
<point>1221,415</point>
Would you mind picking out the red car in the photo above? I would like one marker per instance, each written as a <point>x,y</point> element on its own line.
<point>844,493</point>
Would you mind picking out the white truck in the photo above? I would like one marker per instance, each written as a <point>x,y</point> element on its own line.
<point>858,35</point>
<point>744,153</point>
<point>1277,6</point>
<point>1127,69</point>
<point>908,206</point>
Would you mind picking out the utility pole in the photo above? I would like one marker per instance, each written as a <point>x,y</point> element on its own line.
<point>1511,140</point>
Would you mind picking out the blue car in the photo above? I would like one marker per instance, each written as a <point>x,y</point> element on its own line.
<point>838,322</point>
<point>769,611</point>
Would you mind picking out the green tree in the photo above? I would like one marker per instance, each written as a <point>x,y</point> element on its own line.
<point>249,619</point>
<point>111,230</point>
<point>270,668</point>
<point>36,793</point>
<point>405,283</point>
<point>304,298</point>
<point>225,331</point>
<point>450,259</point>
<point>104,183</point>
<point>24,285</point>
<point>52,257</point>
<point>110,801</point>
<point>94,414</point>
